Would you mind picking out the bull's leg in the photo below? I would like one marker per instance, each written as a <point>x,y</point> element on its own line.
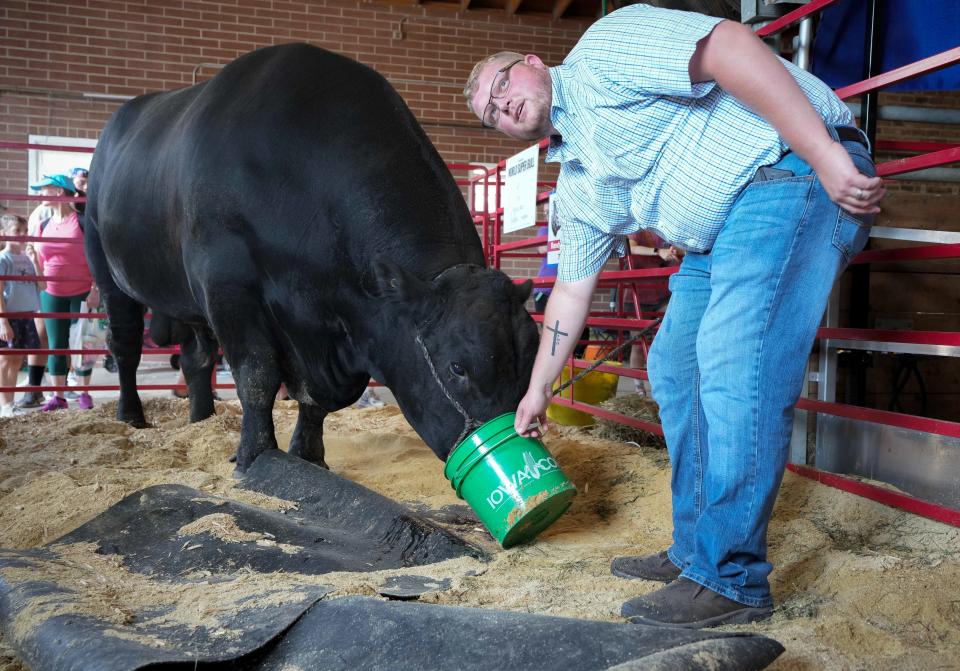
<point>254,362</point>
<point>198,357</point>
<point>307,440</point>
<point>258,380</point>
<point>126,345</point>
<point>248,343</point>
<point>125,335</point>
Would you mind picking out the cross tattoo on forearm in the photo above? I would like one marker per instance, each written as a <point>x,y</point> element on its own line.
<point>556,336</point>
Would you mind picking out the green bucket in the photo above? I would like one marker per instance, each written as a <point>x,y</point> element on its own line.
<point>513,483</point>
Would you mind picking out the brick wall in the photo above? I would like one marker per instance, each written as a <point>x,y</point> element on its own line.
<point>53,52</point>
<point>901,130</point>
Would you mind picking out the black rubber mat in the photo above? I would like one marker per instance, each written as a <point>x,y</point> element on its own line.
<point>324,499</point>
<point>51,624</point>
<point>241,587</point>
<point>371,635</point>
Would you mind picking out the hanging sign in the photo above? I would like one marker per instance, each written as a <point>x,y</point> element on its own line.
<point>520,190</point>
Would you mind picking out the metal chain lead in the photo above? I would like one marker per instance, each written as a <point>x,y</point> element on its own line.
<point>469,424</point>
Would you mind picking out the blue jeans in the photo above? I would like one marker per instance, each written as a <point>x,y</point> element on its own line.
<point>728,365</point>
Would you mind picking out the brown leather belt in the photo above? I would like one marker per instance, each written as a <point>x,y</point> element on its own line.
<point>850,134</point>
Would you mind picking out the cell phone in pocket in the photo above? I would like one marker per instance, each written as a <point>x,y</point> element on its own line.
<point>766,173</point>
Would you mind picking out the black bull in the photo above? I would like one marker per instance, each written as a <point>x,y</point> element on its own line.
<point>292,208</point>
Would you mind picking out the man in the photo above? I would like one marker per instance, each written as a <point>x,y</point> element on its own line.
<point>79,177</point>
<point>687,125</point>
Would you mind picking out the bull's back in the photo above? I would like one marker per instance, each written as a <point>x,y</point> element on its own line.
<point>291,155</point>
<point>317,156</point>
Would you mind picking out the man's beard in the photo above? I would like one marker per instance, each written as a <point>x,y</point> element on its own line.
<point>542,98</point>
<point>541,124</point>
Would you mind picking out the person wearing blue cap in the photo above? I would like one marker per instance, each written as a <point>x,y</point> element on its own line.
<point>68,279</point>
<point>79,176</point>
<point>49,185</point>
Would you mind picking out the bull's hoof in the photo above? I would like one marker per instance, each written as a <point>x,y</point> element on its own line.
<point>313,456</point>
<point>317,462</point>
<point>241,466</point>
<point>240,471</point>
<point>136,422</point>
<point>244,461</point>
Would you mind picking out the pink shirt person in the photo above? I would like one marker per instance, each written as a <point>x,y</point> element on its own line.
<point>64,259</point>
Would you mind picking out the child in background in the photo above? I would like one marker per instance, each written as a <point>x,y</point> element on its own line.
<point>15,296</point>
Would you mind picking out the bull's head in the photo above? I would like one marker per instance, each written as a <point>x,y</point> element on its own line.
<point>461,348</point>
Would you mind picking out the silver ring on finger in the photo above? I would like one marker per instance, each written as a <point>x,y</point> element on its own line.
<point>859,194</point>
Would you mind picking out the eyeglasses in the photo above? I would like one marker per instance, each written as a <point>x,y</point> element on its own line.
<point>498,89</point>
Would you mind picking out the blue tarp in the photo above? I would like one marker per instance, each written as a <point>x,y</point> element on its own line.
<point>910,30</point>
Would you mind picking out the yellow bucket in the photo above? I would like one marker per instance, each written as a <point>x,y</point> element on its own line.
<point>594,388</point>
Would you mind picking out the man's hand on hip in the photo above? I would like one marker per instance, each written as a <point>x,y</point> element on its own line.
<point>848,187</point>
<point>747,69</point>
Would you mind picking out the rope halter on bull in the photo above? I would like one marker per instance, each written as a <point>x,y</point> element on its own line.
<point>469,423</point>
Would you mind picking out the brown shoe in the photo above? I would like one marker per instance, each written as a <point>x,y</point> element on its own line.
<point>684,603</point>
<point>656,567</point>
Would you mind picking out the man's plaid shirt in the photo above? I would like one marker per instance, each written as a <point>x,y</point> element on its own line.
<point>643,148</point>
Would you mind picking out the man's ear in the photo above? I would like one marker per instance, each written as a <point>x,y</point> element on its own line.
<point>393,283</point>
<point>534,61</point>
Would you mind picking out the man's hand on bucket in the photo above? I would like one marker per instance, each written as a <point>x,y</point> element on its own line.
<point>531,418</point>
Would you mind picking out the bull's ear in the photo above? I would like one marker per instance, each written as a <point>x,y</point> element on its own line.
<point>392,282</point>
<point>522,290</point>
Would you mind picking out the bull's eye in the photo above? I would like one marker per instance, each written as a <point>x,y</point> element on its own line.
<point>457,369</point>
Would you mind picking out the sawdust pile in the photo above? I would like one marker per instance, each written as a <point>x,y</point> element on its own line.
<point>857,585</point>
